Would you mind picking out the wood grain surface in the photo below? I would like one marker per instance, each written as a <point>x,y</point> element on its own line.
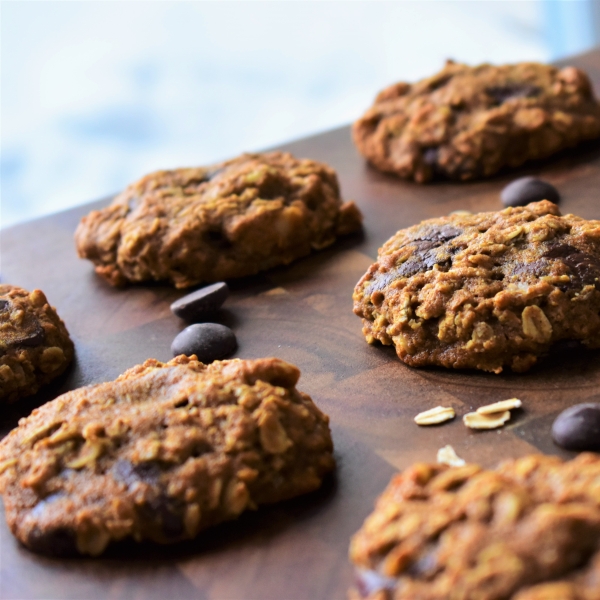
<point>303,314</point>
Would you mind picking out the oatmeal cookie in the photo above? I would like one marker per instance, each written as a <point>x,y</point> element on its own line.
<point>485,291</point>
<point>527,530</point>
<point>35,346</point>
<point>161,453</point>
<point>467,122</point>
<point>233,219</point>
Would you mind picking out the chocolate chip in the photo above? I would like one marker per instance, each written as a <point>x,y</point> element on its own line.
<point>58,542</point>
<point>537,268</point>
<point>438,233</point>
<point>584,267</point>
<point>503,93</point>
<point>208,341</point>
<point>202,302</point>
<point>159,509</point>
<point>524,190</point>
<point>578,427</point>
<point>31,338</point>
<point>166,513</point>
<point>4,304</point>
<point>431,249</point>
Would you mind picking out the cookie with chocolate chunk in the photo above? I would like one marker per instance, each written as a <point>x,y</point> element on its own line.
<point>468,122</point>
<point>35,346</point>
<point>161,453</point>
<point>190,226</point>
<point>485,291</point>
<point>527,530</point>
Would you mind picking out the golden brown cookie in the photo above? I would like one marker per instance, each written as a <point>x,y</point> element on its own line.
<point>35,346</point>
<point>233,219</point>
<point>527,530</point>
<point>467,122</point>
<point>161,453</point>
<point>485,291</point>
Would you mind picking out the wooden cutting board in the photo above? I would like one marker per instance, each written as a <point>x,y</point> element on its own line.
<point>303,314</point>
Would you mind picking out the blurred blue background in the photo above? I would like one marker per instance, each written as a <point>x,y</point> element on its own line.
<point>96,94</point>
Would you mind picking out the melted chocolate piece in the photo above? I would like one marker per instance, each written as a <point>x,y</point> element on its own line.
<point>584,267</point>
<point>503,93</point>
<point>57,542</point>
<point>166,513</point>
<point>30,333</point>
<point>537,268</point>
<point>439,234</point>
<point>4,304</point>
<point>160,510</point>
<point>431,249</point>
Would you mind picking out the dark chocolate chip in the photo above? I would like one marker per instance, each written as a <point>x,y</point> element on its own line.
<point>438,233</point>
<point>432,249</point>
<point>369,582</point>
<point>560,251</point>
<point>166,513</point>
<point>584,267</point>
<point>208,341</point>
<point>202,302</point>
<point>159,510</point>
<point>503,93</point>
<point>57,542</point>
<point>4,304</point>
<point>31,338</point>
<point>578,427</point>
<point>537,268</point>
<point>524,190</point>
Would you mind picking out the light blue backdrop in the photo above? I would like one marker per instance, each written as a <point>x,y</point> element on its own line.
<point>95,94</point>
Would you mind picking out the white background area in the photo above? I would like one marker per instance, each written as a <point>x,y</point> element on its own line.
<point>96,94</point>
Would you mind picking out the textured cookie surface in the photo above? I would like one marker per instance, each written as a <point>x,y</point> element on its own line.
<point>485,291</point>
<point>34,343</point>
<point>528,530</point>
<point>233,219</point>
<point>467,122</point>
<point>162,452</point>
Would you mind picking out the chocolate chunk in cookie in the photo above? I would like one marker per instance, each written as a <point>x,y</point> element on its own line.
<point>485,291</point>
<point>527,530</point>
<point>34,343</point>
<point>467,122</point>
<point>161,453</point>
<point>243,216</point>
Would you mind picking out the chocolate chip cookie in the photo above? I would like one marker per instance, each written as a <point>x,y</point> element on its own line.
<point>467,122</point>
<point>161,453</point>
<point>233,219</point>
<point>35,346</point>
<point>527,530</point>
<point>485,291</point>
